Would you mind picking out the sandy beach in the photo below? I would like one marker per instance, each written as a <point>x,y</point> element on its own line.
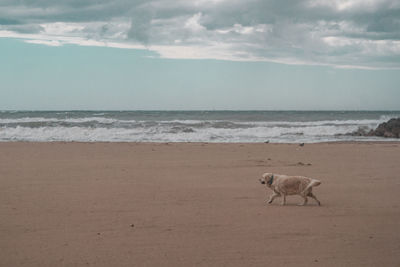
<point>196,204</point>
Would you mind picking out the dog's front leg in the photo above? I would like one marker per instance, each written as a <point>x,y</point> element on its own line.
<point>272,197</point>
<point>283,199</point>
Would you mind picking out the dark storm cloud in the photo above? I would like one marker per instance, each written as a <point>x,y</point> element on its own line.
<point>340,33</point>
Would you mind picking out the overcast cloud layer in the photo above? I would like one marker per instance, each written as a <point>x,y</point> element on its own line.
<point>340,33</point>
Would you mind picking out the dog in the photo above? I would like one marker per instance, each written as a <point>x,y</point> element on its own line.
<point>284,185</point>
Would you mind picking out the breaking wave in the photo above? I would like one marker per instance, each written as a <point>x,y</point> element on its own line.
<point>132,127</point>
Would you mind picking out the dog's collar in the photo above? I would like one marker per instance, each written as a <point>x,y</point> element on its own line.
<point>271,180</point>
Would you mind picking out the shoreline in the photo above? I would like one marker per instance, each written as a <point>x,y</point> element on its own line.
<point>203,142</point>
<point>184,204</point>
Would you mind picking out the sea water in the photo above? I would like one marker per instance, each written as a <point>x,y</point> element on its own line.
<point>190,126</point>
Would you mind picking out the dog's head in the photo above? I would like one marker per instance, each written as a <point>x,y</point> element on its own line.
<point>266,179</point>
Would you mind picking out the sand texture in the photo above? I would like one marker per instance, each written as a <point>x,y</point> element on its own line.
<point>129,204</point>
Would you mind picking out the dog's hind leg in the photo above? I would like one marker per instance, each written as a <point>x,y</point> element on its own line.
<point>314,197</point>
<point>272,197</point>
<point>305,200</point>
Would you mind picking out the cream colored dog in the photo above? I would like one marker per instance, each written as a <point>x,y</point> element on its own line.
<point>284,185</point>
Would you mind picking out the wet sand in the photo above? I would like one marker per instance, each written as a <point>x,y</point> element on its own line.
<point>196,204</point>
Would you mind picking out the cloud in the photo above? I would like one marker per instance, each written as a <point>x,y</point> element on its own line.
<point>340,33</point>
<point>44,42</point>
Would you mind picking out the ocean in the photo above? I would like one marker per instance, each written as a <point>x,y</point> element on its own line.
<point>190,126</point>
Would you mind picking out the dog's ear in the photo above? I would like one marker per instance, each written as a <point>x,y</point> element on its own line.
<point>262,181</point>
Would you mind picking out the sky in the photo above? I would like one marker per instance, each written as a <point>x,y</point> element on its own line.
<point>200,54</point>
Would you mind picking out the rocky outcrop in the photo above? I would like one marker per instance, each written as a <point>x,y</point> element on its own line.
<point>389,129</point>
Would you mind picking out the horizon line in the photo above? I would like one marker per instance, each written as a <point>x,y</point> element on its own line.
<point>196,110</point>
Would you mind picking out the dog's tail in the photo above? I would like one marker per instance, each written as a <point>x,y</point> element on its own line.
<point>314,182</point>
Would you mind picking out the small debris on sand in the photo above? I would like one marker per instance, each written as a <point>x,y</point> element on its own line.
<point>303,164</point>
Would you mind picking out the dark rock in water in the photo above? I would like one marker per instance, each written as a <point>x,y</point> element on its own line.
<point>390,129</point>
<point>361,131</point>
<point>188,130</point>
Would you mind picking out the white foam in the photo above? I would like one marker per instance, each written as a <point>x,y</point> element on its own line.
<point>112,130</point>
<point>315,123</point>
<point>28,119</point>
<point>68,120</point>
<point>194,122</point>
<point>163,134</point>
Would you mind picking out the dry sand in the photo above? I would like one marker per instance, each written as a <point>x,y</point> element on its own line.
<point>128,204</point>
